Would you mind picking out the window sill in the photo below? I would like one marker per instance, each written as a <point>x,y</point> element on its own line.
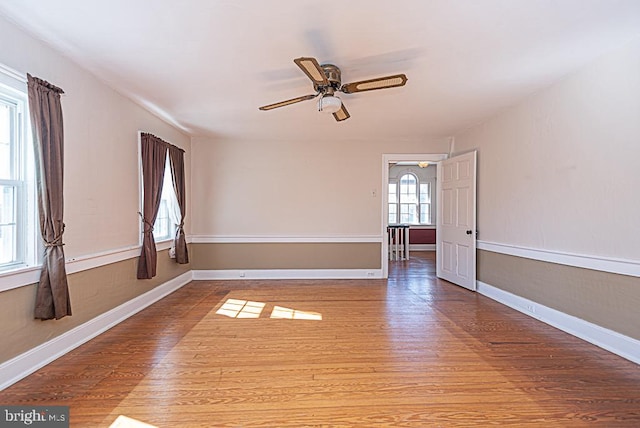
<point>164,244</point>
<point>19,277</point>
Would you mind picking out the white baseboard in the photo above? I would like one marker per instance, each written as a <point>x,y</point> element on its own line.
<point>23,365</point>
<point>422,247</point>
<point>287,274</point>
<point>610,340</point>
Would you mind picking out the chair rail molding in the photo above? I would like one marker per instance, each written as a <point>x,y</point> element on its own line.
<point>604,264</point>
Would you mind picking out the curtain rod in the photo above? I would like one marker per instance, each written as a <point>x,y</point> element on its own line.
<point>160,139</point>
<point>8,71</point>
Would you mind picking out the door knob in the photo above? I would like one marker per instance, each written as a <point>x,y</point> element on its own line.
<point>469,232</point>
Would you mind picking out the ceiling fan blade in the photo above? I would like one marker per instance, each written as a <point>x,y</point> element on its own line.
<point>313,70</point>
<point>341,114</point>
<point>286,103</point>
<point>372,84</point>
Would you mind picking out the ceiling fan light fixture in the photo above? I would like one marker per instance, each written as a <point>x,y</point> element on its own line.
<point>329,104</point>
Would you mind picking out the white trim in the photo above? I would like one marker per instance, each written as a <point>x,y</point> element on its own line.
<point>24,364</point>
<point>31,275</point>
<point>422,247</point>
<point>13,93</point>
<point>388,158</point>
<point>19,278</point>
<point>286,274</point>
<point>90,261</point>
<point>610,340</point>
<point>13,73</point>
<point>140,190</point>
<point>251,239</point>
<point>604,264</point>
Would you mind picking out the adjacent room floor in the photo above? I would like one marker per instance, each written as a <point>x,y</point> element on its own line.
<point>410,351</point>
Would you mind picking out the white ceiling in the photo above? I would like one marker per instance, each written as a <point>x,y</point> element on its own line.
<point>207,65</point>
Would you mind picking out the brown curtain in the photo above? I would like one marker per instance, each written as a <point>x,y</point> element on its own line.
<point>176,160</point>
<point>52,296</point>
<point>154,156</point>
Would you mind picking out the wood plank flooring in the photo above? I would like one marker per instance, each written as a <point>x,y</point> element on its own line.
<point>412,351</point>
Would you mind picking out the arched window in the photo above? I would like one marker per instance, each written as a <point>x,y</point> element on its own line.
<point>410,201</point>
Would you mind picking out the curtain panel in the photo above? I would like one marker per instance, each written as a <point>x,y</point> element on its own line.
<point>45,110</point>
<point>154,155</point>
<point>176,160</point>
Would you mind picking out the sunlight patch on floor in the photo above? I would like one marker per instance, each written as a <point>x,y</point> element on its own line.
<point>234,308</point>
<point>237,308</point>
<point>127,422</point>
<point>293,314</point>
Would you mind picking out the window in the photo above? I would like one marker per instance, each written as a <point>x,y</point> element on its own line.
<point>409,200</point>
<point>393,203</point>
<point>18,238</point>
<point>425,203</point>
<point>166,222</point>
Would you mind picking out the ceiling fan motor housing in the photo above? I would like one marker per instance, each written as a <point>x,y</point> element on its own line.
<point>333,76</point>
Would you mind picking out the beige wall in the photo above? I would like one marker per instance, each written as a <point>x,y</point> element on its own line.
<point>314,187</point>
<point>101,149</point>
<point>93,292</point>
<point>559,172</point>
<point>344,255</point>
<point>605,299</point>
<point>101,193</point>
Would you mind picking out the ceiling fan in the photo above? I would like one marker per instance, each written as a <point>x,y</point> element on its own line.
<point>326,80</point>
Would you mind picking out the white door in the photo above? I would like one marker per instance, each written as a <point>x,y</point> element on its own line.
<point>456,221</point>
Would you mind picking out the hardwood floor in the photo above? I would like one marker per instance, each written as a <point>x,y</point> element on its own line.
<point>411,351</point>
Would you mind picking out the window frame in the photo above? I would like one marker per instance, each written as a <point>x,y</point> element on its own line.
<point>27,245</point>
<point>394,202</point>
<point>427,183</point>
<point>409,204</point>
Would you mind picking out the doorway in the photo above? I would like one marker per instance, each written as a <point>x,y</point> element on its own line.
<point>389,160</point>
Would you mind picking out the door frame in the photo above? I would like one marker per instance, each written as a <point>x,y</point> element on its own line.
<point>387,160</point>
